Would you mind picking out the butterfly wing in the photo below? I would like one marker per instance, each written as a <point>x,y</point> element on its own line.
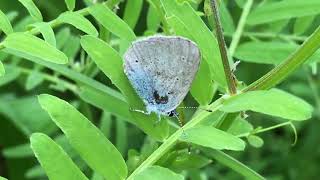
<point>161,69</point>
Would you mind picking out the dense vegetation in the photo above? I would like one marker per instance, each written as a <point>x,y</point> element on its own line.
<point>64,98</point>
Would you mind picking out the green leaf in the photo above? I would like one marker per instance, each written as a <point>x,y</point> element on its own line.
<point>25,45</point>
<point>5,25</point>
<point>16,111</point>
<point>273,102</point>
<point>255,141</point>
<point>32,9</point>
<point>302,24</point>
<point>158,173</point>
<point>33,80</point>
<point>279,10</point>
<point>202,36</point>
<point>53,159</point>
<point>46,30</point>
<point>62,37</point>
<point>79,131</point>
<point>2,178</point>
<point>269,52</point>
<point>70,4</point>
<point>10,75</point>
<point>202,86</point>
<point>20,151</point>
<point>112,22</point>
<point>188,161</point>
<point>2,70</point>
<point>240,126</point>
<point>132,12</point>
<point>214,138</point>
<point>113,69</point>
<point>78,21</point>
<point>71,47</point>
<point>153,19</point>
<point>226,19</point>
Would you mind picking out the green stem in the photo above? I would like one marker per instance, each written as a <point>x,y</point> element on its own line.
<point>50,78</point>
<point>265,129</point>
<point>238,33</point>
<point>223,50</point>
<point>283,70</point>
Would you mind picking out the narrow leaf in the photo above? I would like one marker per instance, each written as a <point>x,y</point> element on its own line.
<point>33,80</point>
<point>273,102</point>
<point>112,22</point>
<point>214,138</point>
<point>302,24</point>
<point>132,12</point>
<point>100,153</point>
<point>47,32</point>
<point>2,70</point>
<point>5,25</point>
<point>10,75</point>
<point>57,164</point>
<point>78,21</point>
<point>25,45</point>
<point>153,19</point>
<point>32,9</point>
<point>158,173</point>
<point>202,36</point>
<point>269,52</point>
<point>70,4</point>
<point>279,10</point>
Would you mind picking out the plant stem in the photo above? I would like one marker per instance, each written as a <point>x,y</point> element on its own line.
<point>223,50</point>
<point>238,33</point>
<point>283,70</point>
<point>50,78</point>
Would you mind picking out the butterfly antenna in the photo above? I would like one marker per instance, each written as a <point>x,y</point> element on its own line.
<point>208,110</point>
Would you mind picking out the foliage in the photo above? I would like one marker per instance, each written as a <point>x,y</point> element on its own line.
<point>84,129</point>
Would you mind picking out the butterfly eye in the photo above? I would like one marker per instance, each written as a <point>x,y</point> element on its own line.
<point>137,61</point>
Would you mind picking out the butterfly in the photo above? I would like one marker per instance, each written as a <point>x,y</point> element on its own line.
<point>161,70</point>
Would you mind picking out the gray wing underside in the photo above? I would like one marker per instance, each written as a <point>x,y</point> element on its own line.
<point>163,64</point>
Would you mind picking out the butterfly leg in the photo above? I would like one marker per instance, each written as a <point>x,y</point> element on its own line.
<point>140,111</point>
<point>158,120</point>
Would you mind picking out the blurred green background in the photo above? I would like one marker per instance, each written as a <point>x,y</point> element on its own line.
<point>20,113</point>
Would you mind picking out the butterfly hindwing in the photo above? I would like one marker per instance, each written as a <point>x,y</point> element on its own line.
<point>166,65</point>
